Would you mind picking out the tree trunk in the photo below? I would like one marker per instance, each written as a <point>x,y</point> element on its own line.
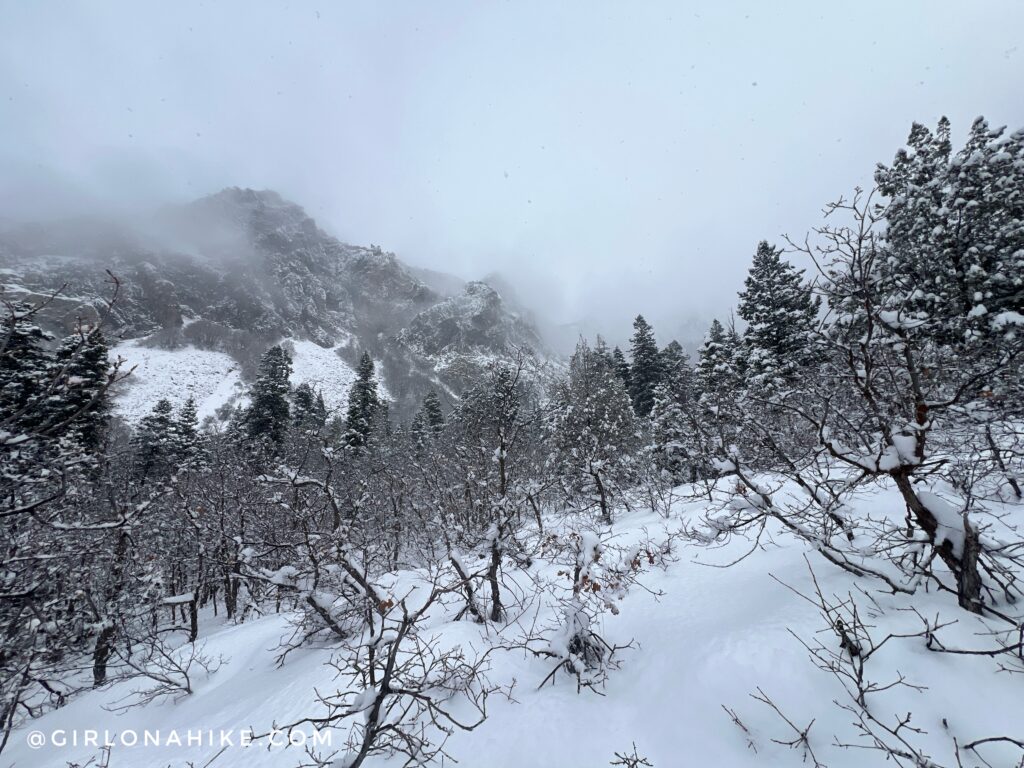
<point>193,619</point>
<point>999,462</point>
<point>467,586</point>
<point>606,512</point>
<point>105,640</point>
<point>964,566</point>
<point>492,579</point>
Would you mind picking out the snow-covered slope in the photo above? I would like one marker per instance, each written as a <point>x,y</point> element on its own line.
<point>324,370</point>
<point>713,638</point>
<point>212,378</point>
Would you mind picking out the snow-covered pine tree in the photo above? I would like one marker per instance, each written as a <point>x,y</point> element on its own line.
<point>269,411</point>
<point>25,368</point>
<point>433,415</point>
<point>716,365</point>
<point>156,442</point>
<point>428,421</point>
<point>719,381</point>
<point>955,233</point>
<point>645,370</point>
<point>189,447</point>
<point>672,435</point>
<point>365,407</point>
<point>621,366</point>
<point>601,348</point>
<point>81,369</point>
<point>309,412</point>
<point>594,431</point>
<point>780,313</point>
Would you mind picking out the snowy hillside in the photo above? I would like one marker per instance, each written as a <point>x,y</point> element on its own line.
<point>324,370</point>
<point>703,637</point>
<point>212,378</point>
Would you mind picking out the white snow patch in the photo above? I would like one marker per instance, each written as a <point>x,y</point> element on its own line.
<point>324,370</point>
<point>212,378</point>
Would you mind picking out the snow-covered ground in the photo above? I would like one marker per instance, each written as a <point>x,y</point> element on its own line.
<point>212,378</point>
<point>324,370</point>
<point>714,637</point>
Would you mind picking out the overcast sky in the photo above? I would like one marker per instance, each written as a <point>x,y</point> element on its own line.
<point>608,158</point>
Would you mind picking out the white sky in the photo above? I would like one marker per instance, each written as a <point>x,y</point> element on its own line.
<point>608,158</point>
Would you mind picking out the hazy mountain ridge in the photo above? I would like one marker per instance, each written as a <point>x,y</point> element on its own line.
<point>241,269</point>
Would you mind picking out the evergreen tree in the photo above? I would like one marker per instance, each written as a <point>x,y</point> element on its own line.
<point>674,361</point>
<point>81,368</point>
<point>669,433</point>
<point>269,412</point>
<point>672,432</point>
<point>780,314</point>
<point>719,380</point>
<point>953,266</point>
<point>24,368</point>
<point>716,366</point>
<point>621,366</point>
<point>309,412</point>
<point>432,413</point>
<point>601,348</point>
<point>365,408</point>
<point>428,421</point>
<point>645,371</point>
<point>188,447</point>
<point>419,432</point>
<point>156,442</point>
<point>188,422</point>
<point>594,430</point>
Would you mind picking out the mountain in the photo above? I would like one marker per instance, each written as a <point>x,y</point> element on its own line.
<point>239,270</point>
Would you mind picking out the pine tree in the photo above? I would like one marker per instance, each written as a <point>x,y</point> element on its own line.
<point>645,370</point>
<point>268,413</point>
<point>188,421</point>
<point>81,367</point>
<point>309,412</point>
<point>719,380</point>
<point>365,408</point>
<point>593,429</point>
<point>428,421</point>
<point>432,413</point>
<point>716,366</point>
<point>780,314</point>
<point>672,435</point>
<point>25,368</point>
<point>419,432</point>
<point>674,361</point>
<point>155,442</point>
<point>621,366</point>
<point>669,431</point>
<point>188,448</point>
<point>955,258</point>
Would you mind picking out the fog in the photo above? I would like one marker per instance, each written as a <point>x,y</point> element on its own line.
<point>604,158</point>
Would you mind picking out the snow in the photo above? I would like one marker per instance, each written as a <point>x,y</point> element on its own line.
<point>900,320</point>
<point>324,370</point>
<point>712,639</point>
<point>950,520</point>
<point>212,378</point>
<point>1007,318</point>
